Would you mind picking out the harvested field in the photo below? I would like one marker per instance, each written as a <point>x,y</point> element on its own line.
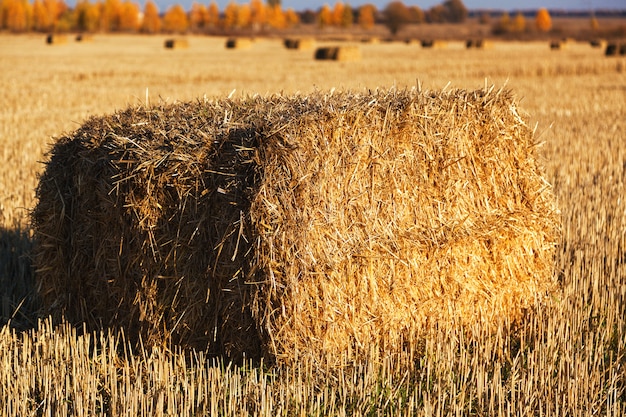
<point>564,358</point>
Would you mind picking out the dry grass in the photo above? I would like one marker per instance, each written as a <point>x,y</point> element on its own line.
<point>565,359</point>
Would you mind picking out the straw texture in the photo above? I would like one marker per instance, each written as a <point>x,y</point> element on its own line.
<point>286,226</point>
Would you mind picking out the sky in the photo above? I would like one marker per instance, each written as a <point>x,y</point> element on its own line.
<point>300,5</point>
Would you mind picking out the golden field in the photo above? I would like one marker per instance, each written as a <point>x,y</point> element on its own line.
<point>567,358</point>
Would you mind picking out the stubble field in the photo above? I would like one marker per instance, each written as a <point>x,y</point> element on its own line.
<point>568,358</point>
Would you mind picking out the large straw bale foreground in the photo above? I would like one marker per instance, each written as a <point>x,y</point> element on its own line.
<point>283,226</point>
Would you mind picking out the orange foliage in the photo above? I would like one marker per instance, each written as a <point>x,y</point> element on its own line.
<point>230,15</point>
<point>175,19</point>
<point>258,14</point>
<point>243,16</point>
<point>213,14</point>
<point>198,17</point>
<point>151,20</point>
<point>87,16</point>
<point>543,21</point>
<point>276,17</point>
<point>291,17</point>
<point>16,15</point>
<point>129,17</point>
<point>337,13</point>
<point>366,16</point>
<point>325,16</point>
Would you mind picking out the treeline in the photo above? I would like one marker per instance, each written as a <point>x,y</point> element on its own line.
<point>128,16</point>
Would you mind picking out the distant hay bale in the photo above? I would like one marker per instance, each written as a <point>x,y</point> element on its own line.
<point>372,40</point>
<point>622,49</point>
<point>339,53</point>
<point>434,44</point>
<point>597,43</point>
<point>478,44</point>
<point>279,227</point>
<point>54,39</point>
<point>557,45</point>
<point>612,49</point>
<point>301,44</point>
<point>239,43</point>
<point>176,44</point>
<point>81,37</point>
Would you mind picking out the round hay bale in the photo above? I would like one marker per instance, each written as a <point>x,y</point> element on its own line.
<point>301,44</point>
<point>434,44</point>
<point>597,43</point>
<point>305,225</point>
<point>81,37</point>
<point>611,49</point>
<point>176,44</point>
<point>339,53</point>
<point>478,44</point>
<point>55,39</point>
<point>327,52</point>
<point>239,43</point>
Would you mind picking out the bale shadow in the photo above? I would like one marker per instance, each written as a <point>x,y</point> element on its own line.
<point>18,300</point>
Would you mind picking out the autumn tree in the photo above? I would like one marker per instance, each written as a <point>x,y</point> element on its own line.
<point>366,15</point>
<point>543,21</point>
<point>437,14</point>
<point>396,16</point>
<point>129,17</point>
<point>337,13</point>
<point>519,23</point>
<point>230,15</point>
<point>243,16</point>
<point>87,16</point>
<point>198,17</point>
<point>151,20</point>
<point>276,17</point>
<point>258,14</point>
<point>175,20</point>
<point>325,16</point>
<point>110,15</point>
<point>41,20</point>
<point>454,11</point>
<point>347,18</point>
<point>291,17</point>
<point>16,15</point>
<point>503,25</point>
<point>417,14</point>
<point>213,18</point>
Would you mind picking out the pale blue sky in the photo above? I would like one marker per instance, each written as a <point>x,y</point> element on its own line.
<point>426,4</point>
